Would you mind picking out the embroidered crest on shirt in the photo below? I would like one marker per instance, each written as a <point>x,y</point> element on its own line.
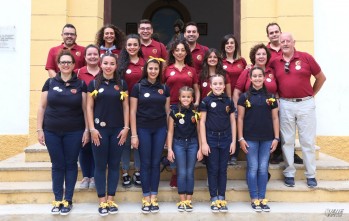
<point>116,87</point>
<point>190,74</point>
<point>227,109</point>
<point>73,91</point>
<point>78,53</point>
<point>155,51</point>
<point>199,57</point>
<point>298,65</point>
<point>161,91</point>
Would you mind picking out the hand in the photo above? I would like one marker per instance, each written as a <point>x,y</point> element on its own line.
<point>95,136</point>
<point>196,104</point>
<point>170,155</point>
<point>199,155</point>
<point>232,148</point>
<point>123,136</point>
<point>205,149</point>
<point>41,137</point>
<point>273,146</point>
<point>244,146</point>
<point>134,142</point>
<point>85,138</point>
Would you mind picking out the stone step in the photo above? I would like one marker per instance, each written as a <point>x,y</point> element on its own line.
<point>15,169</point>
<point>285,211</point>
<point>237,191</point>
<point>38,153</point>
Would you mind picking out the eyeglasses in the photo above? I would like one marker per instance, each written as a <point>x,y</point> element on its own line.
<point>143,28</point>
<point>69,34</point>
<point>287,67</point>
<point>65,62</point>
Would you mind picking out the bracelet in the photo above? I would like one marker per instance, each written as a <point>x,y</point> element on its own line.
<point>86,130</point>
<point>126,127</point>
<point>241,139</point>
<point>133,136</point>
<point>91,130</point>
<point>276,138</point>
<point>39,130</point>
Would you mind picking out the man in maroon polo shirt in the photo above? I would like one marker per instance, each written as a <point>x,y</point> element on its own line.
<point>273,33</point>
<point>293,71</point>
<point>150,47</point>
<point>69,37</point>
<point>191,34</point>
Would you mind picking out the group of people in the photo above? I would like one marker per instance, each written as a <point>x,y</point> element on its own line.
<point>130,94</point>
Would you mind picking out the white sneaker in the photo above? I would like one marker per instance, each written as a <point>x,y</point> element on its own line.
<point>85,182</point>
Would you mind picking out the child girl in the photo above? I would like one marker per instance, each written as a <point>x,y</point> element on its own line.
<point>217,133</point>
<point>183,146</point>
<point>108,119</point>
<point>150,106</point>
<point>258,132</point>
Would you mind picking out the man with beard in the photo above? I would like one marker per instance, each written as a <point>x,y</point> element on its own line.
<point>69,38</point>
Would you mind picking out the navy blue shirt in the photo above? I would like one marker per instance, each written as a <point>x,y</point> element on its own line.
<point>108,109</point>
<point>218,110</point>
<point>64,104</point>
<point>258,122</point>
<point>184,127</point>
<point>151,111</point>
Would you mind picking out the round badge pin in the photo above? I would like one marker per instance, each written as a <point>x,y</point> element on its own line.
<point>298,67</point>
<point>100,90</point>
<point>128,71</point>
<point>172,73</point>
<point>103,124</point>
<point>225,66</point>
<point>56,88</point>
<point>268,80</point>
<point>96,120</point>
<point>204,84</point>
<point>146,95</point>
<point>181,121</point>
<point>213,104</point>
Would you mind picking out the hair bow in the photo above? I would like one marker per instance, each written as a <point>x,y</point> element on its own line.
<point>123,95</point>
<point>157,59</point>
<point>94,93</point>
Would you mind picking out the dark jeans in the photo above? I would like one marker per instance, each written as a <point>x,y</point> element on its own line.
<point>63,148</point>
<point>87,163</point>
<point>107,156</point>
<point>151,145</point>
<point>217,163</point>
<point>185,151</point>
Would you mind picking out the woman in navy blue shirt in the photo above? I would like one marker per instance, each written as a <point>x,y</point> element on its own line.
<point>258,133</point>
<point>150,106</point>
<point>61,122</point>
<point>108,119</point>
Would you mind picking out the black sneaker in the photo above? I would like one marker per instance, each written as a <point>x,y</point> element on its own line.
<point>57,206</point>
<point>297,159</point>
<point>145,206</point>
<point>103,209</point>
<point>154,208</point>
<point>66,208</point>
<point>311,182</point>
<point>256,206</point>
<point>181,206</point>
<point>264,205</point>
<point>289,181</point>
<point>137,179</point>
<point>126,180</point>
<point>112,207</point>
<point>215,206</point>
<point>188,206</point>
<point>223,205</point>
<point>233,161</point>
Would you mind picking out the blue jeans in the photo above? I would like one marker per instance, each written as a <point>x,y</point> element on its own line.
<point>87,164</point>
<point>151,145</point>
<point>217,163</point>
<point>257,167</point>
<point>107,155</point>
<point>126,155</point>
<point>63,148</point>
<point>185,151</point>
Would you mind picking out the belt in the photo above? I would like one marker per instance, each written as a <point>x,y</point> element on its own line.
<point>297,99</point>
<point>185,139</point>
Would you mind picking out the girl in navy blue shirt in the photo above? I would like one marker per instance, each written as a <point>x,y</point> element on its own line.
<point>150,105</point>
<point>217,133</point>
<point>183,146</point>
<point>61,122</point>
<point>108,118</point>
<point>258,132</point>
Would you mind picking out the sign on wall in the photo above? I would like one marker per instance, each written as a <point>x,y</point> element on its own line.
<point>7,38</point>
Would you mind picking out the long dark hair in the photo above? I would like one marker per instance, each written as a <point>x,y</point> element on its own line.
<point>204,75</point>
<point>264,89</point>
<point>188,59</point>
<point>124,57</point>
<point>237,48</point>
<point>145,69</point>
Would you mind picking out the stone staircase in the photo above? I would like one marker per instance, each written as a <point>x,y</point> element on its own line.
<point>26,193</point>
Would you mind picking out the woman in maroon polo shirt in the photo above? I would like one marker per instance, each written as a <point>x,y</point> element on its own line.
<point>110,39</point>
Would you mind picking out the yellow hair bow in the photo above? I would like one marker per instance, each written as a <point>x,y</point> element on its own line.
<point>196,115</point>
<point>247,103</point>
<point>94,93</point>
<point>157,59</point>
<point>123,95</point>
<point>179,114</point>
<point>270,101</point>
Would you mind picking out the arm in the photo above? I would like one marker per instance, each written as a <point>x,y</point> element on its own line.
<point>199,155</point>
<point>133,121</point>
<point>228,90</point>
<point>241,115</point>
<point>276,128</point>
<point>126,111</point>
<point>170,131</point>
<point>204,146</point>
<point>233,134</point>
<point>40,118</point>
<point>197,94</point>
<point>51,73</point>
<point>95,135</point>
<point>236,95</point>
<point>320,79</point>
<point>86,136</point>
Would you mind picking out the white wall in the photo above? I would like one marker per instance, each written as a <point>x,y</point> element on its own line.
<point>331,26</point>
<point>15,69</point>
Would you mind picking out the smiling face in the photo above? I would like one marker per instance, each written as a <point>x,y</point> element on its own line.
<point>217,84</point>
<point>186,98</point>
<point>108,66</point>
<point>153,70</point>
<point>132,46</point>
<point>212,60</point>
<point>257,78</point>
<point>261,57</point>
<point>191,34</point>
<point>92,56</point>
<point>230,46</point>
<point>145,31</point>
<point>66,64</point>
<point>69,36</point>
<point>179,53</point>
<point>109,36</point>
<point>274,34</point>
<point>287,43</point>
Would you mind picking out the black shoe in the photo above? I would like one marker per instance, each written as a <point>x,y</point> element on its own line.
<point>103,209</point>
<point>154,208</point>
<point>137,179</point>
<point>289,181</point>
<point>66,208</point>
<point>256,206</point>
<point>181,206</point>
<point>264,205</point>
<point>126,180</point>
<point>276,159</point>
<point>311,182</point>
<point>57,206</point>
<point>112,207</point>
<point>297,159</point>
<point>145,206</point>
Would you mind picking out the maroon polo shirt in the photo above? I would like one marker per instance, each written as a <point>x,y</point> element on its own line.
<point>84,75</point>
<point>133,73</point>
<point>198,55</point>
<point>273,52</point>
<point>155,49</point>
<point>114,51</point>
<point>234,70</point>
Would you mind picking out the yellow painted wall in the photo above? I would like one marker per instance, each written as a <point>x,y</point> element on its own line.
<point>11,145</point>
